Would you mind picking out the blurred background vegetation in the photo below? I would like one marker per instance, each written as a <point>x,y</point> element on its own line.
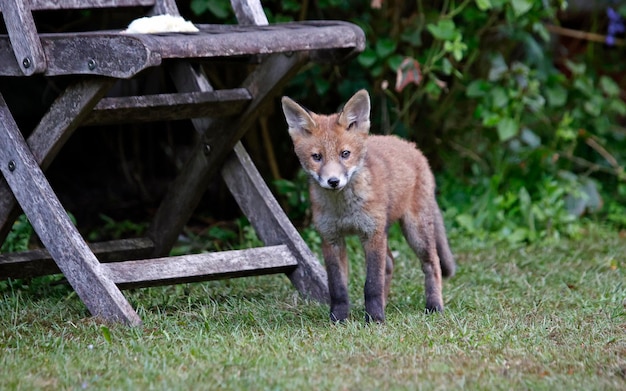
<point>519,105</point>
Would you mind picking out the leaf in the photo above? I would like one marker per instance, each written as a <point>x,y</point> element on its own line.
<point>456,47</point>
<point>530,138</point>
<point>556,95</point>
<point>518,235</point>
<point>412,36</point>
<point>322,86</point>
<point>609,86</point>
<point>593,106</point>
<point>483,5</point>
<point>291,5</point>
<point>499,97</point>
<point>444,30</point>
<point>541,30</point>
<point>395,61</point>
<point>491,119</point>
<point>367,58</point>
<point>477,88</point>
<point>520,7</point>
<point>466,222</point>
<point>576,69</point>
<point>446,66</point>
<point>507,128</point>
<point>385,47</point>
<point>106,333</point>
<point>199,6</point>
<point>618,107</point>
<point>220,9</point>
<point>408,72</point>
<point>498,68</point>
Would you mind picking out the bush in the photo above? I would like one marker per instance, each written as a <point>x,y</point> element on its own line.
<point>525,139</point>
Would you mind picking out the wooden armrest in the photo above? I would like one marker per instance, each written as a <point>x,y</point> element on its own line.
<point>109,53</point>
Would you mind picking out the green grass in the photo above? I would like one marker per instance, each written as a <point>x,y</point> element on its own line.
<point>549,316</point>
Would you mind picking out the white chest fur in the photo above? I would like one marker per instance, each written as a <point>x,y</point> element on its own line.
<point>340,213</point>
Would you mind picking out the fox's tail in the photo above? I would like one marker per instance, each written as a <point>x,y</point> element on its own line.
<point>446,259</point>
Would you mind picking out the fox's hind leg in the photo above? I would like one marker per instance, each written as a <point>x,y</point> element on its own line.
<point>446,259</point>
<point>419,232</point>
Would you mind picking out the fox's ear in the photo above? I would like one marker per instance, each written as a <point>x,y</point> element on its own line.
<point>298,118</point>
<point>356,113</point>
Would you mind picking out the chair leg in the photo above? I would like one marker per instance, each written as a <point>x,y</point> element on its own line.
<point>271,224</point>
<point>54,228</point>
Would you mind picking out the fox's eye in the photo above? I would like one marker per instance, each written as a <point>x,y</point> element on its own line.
<point>345,154</point>
<point>316,157</point>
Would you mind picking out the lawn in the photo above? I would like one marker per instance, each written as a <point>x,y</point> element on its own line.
<point>548,316</point>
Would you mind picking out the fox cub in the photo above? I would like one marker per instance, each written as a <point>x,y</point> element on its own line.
<point>360,185</point>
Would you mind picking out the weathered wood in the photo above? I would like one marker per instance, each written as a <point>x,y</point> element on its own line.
<point>168,107</point>
<point>123,56</point>
<point>218,140</point>
<point>281,50</point>
<point>54,228</point>
<point>191,78</point>
<point>29,55</point>
<point>249,12</point>
<point>237,40</point>
<point>112,55</point>
<point>201,267</point>
<point>39,262</point>
<point>58,124</point>
<point>86,4</point>
<point>271,224</point>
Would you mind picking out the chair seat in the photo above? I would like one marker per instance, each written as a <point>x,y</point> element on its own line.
<point>114,54</point>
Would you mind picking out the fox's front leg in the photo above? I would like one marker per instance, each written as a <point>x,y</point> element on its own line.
<point>375,284</point>
<point>336,261</point>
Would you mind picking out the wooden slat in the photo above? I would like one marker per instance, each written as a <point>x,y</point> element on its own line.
<point>54,228</point>
<point>85,4</point>
<point>123,56</point>
<point>201,267</point>
<point>112,55</point>
<point>237,40</point>
<point>36,263</point>
<point>167,107</point>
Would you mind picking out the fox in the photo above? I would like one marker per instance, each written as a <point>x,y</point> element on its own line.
<point>361,184</point>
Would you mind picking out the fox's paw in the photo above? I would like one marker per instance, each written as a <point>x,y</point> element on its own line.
<point>380,318</point>
<point>434,307</point>
<point>339,313</point>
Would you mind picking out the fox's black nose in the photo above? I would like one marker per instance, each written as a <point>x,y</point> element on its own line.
<point>333,182</point>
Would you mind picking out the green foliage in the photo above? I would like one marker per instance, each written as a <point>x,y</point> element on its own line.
<point>112,229</point>
<point>295,193</point>
<point>482,88</point>
<point>220,9</point>
<point>19,236</point>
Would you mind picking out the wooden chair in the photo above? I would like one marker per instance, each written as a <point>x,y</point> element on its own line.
<point>91,62</point>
